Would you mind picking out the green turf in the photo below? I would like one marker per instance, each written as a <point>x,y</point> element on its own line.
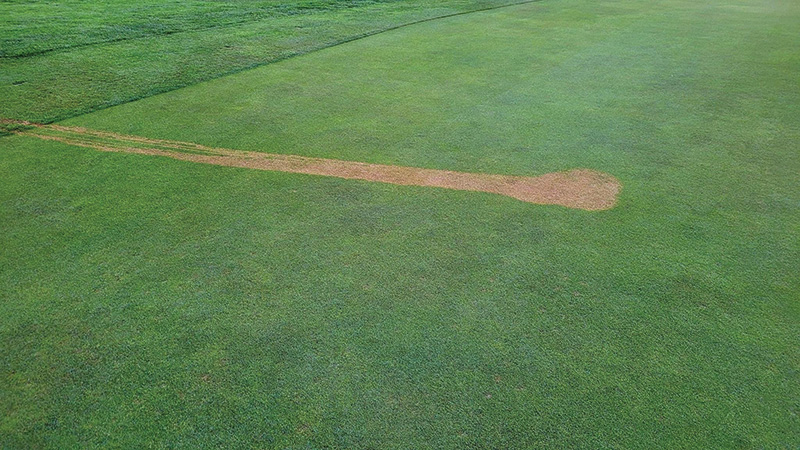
<point>60,59</point>
<point>37,27</point>
<point>153,302</point>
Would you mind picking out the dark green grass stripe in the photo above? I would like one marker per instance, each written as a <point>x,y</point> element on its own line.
<point>165,89</point>
<point>265,14</point>
<point>244,22</point>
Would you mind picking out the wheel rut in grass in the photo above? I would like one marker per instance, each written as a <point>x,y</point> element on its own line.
<point>578,188</point>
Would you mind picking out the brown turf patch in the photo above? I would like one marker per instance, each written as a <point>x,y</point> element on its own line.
<point>579,188</point>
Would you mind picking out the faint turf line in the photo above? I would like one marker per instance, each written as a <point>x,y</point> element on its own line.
<point>117,40</point>
<point>578,188</point>
<point>277,60</point>
<point>408,24</point>
<point>246,22</point>
<point>278,13</point>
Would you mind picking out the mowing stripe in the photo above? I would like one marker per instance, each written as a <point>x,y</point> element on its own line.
<point>579,188</point>
<point>355,37</point>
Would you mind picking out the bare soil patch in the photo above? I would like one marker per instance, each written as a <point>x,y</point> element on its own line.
<point>579,188</point>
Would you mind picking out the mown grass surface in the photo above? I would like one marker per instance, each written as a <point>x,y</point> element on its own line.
<point>148,301</point>
<point>61,59</point>
<point>36,27</point>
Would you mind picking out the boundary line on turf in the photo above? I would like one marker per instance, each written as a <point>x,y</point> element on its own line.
<point>357,37</point>
<point>236,24</point>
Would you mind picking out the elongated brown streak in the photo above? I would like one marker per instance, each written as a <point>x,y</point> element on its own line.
<point>578,188</point>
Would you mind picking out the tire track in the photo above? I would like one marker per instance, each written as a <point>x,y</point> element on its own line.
<point>578,188</point>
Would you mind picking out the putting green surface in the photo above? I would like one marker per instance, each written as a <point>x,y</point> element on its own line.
<point>150,301</point>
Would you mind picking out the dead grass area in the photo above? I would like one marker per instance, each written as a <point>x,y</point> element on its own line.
<point>579,188</point>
